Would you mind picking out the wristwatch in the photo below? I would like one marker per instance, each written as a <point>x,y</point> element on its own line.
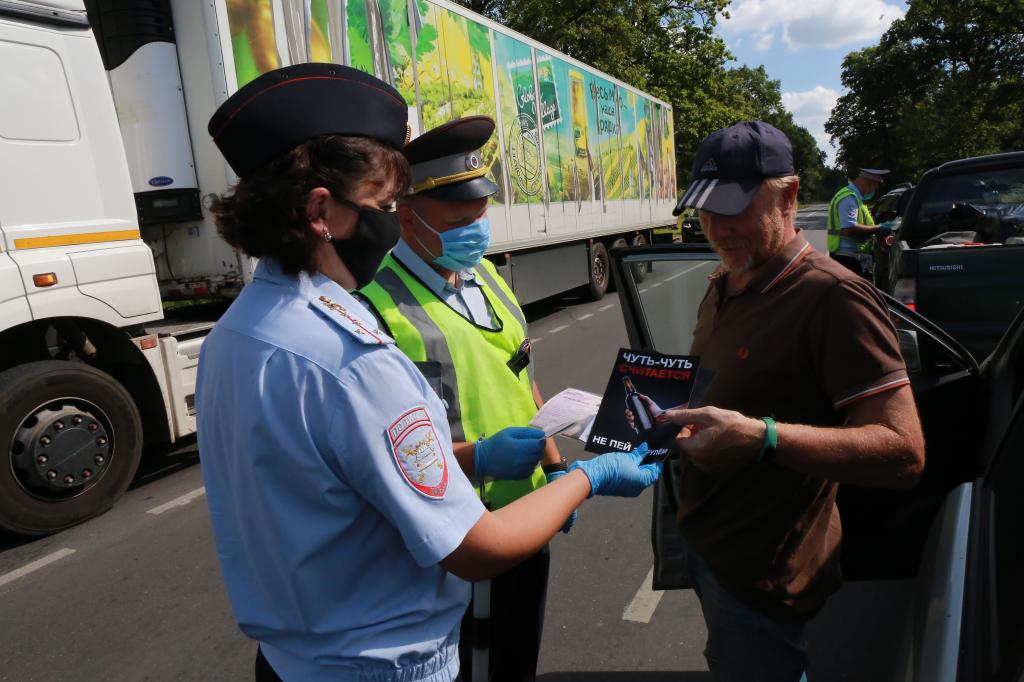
<point>557,466</point>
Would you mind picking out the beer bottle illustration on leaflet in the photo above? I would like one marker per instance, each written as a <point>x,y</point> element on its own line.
<point>642,416</point>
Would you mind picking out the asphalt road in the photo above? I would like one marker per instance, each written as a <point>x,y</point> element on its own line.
<point>137,595</point>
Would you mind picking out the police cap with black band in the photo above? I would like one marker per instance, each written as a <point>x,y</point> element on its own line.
<point>446,163</point>
<point>731,164</point>
<point>281,109</point>
<point>876,174</point>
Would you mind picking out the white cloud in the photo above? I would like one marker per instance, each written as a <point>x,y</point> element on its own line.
<point>811,108</point>
<point>765,42</point>
<point>813,23</point>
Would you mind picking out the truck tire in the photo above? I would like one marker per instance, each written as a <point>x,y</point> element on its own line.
<point>600,272</point>
<point>640,270</point>
<point>73,440</point>
<point>620,242</point>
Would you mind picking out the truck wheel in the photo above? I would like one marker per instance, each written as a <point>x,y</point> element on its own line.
<point>600,272</point>
<point>640,270</point>
<point>614,245</point>
<point>73,440</point>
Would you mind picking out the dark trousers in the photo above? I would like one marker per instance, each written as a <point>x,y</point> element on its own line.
<point>851,263</point>
<point>264,673</point>
<point>516,624</point>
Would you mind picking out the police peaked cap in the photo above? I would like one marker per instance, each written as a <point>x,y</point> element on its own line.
<point>876,174</point>
<point>446,163</point>
<point>283,108</point>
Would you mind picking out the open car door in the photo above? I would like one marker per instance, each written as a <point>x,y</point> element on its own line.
<point>884,531</point>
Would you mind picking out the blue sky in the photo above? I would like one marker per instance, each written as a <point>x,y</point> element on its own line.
<point>802,44</point>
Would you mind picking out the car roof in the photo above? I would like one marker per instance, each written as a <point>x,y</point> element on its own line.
<point>961,165</point>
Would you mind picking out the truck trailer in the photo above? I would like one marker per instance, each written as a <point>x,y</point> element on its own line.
<point>107,170</point>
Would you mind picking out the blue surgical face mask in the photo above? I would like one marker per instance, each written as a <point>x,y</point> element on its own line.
<point>462,247</point>
<point>869,196</point>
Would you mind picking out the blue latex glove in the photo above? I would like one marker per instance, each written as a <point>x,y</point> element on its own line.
<point>510,454</point>
<point>619,473</point>
<point>886,228</point>
<point>567,526</point>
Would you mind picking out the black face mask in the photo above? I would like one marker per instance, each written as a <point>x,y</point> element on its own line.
<point>376,234</point>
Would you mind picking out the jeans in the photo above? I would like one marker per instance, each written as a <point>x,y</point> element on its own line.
<point>743,644</point>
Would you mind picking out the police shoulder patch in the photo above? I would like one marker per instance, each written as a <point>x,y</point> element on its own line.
<point>363,332</point>
<point>419,453</point>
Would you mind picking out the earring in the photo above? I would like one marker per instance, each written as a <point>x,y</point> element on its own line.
<point>327,235</point>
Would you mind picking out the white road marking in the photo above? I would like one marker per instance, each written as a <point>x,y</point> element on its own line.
<point>35,565</point>
<point>535,339</point>
<point>559,329</point>
<point>177,502</point>
<point>644,290</point>
<point>606,307</point>
<point>584,317</point>
<point>644,602</point>
<point>656,284</point>
<point>683,272</point>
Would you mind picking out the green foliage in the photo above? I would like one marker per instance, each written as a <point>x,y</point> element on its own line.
<point>669,49</point>
<point>944,82</point>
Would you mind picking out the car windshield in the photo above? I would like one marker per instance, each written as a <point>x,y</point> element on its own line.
<point>999,192</point>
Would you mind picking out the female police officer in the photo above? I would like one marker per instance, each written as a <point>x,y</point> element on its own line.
<point>344,526</point>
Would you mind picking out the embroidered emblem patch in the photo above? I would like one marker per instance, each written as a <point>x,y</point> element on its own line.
<point>365,333</point>
<point>419,454</point>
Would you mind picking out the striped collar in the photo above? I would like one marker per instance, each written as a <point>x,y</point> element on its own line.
<point>782,264</point>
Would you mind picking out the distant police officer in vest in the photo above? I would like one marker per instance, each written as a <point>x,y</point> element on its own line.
<point>345,529</point>
<point>451,312</point>
<point>851,229</point>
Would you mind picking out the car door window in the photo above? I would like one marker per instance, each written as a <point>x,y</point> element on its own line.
<point>666,302</point>
<point>999,193</point>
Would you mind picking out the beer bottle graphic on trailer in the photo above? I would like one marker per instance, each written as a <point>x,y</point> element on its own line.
<point>642,418</point>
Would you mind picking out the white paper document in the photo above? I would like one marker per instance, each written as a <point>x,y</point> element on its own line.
<point>570,413</point>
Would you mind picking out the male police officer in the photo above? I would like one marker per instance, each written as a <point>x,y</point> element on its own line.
<point>850,225</point>
<point>452,314</point>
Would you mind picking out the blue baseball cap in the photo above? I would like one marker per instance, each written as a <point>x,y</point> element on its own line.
<point>732,163</point>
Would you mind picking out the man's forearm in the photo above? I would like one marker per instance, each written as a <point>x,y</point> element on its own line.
<point>870,455</point>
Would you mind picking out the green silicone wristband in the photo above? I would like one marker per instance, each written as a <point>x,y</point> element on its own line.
<point>771,441</point>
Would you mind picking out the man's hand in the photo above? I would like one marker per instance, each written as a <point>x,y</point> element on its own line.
<point>567,526</point>
<point>715,440</point>
<point>886,228</point>
<point>510,454</point>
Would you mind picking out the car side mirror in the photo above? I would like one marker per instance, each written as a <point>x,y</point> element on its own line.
<point>910,349</point>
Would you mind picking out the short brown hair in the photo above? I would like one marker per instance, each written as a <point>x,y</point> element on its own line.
<point>264,214</point>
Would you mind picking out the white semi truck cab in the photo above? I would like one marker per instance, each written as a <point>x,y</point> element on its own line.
<point>94,152</point>
<point>106,168</point>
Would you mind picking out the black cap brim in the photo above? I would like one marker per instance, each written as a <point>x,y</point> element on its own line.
<point>470,190</point>
<point>725,197</point>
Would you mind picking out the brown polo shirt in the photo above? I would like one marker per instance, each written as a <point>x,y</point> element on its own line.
<point>805,339</point>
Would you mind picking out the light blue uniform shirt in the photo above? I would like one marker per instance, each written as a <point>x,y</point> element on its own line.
<point>467,299</point>
<point>847,212</point>
<point>332,487</point>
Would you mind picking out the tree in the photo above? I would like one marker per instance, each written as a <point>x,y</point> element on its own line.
<point>944,82</point>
